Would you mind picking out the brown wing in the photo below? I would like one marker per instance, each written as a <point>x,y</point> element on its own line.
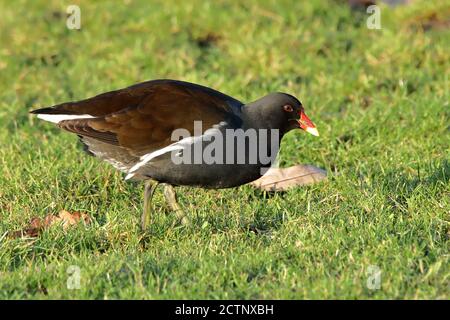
<point>142,118</point>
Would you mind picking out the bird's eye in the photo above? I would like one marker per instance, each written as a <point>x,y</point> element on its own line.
<point>288,108</point>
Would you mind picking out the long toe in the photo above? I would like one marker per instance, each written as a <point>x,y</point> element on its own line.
<point>171,198</point>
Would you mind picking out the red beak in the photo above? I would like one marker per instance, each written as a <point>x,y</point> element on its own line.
<point>307,125</point>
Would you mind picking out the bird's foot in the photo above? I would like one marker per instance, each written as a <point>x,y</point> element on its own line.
<point>171,198</point>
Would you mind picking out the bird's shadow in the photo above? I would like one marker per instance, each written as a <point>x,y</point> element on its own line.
<point>249,211</point>
<point>231,214</point>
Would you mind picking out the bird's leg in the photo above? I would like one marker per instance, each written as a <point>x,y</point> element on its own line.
<point>171,198</point>
<point>150,187</point>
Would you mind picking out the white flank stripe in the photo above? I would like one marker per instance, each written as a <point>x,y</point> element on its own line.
<point>57,118</point>
<point>179,145</point>
<point>129,176</point>
<point>149,156</point>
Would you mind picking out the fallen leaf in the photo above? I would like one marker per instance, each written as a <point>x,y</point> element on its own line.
<point>31,231</point>
<point>64,218</point>
<point>69,219</point>
<point>281,179</point>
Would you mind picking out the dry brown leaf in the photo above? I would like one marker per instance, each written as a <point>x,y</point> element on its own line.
<point>68,219</point>
<point>281,179</point>
<point>31,231</point>
<point>64,218</point>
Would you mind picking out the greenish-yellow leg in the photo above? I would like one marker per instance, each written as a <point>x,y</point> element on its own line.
<point>150,187</point>
<point>171,198</point>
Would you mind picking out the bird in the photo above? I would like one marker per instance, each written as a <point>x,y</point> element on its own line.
<point>176,133</point>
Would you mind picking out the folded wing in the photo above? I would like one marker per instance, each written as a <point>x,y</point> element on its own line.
<point>140,119</point>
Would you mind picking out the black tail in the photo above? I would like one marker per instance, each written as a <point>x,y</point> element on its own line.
<point>48,110</point>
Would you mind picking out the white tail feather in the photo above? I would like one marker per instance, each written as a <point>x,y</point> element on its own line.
<point>57,118</point>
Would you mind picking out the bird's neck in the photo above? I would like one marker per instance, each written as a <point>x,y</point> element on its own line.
<point>255,116</point>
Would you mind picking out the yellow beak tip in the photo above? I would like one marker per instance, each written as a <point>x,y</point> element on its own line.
<point>312,131</point>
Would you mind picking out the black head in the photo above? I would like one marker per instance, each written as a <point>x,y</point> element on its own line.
<point>280,111</point>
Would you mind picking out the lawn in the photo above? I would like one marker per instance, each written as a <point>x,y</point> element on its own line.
<point>380,99</point>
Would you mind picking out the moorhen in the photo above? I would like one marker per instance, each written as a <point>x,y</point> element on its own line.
<point>180,133</point>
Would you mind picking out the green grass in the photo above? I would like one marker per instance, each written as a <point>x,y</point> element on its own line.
<point>379,98</point>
